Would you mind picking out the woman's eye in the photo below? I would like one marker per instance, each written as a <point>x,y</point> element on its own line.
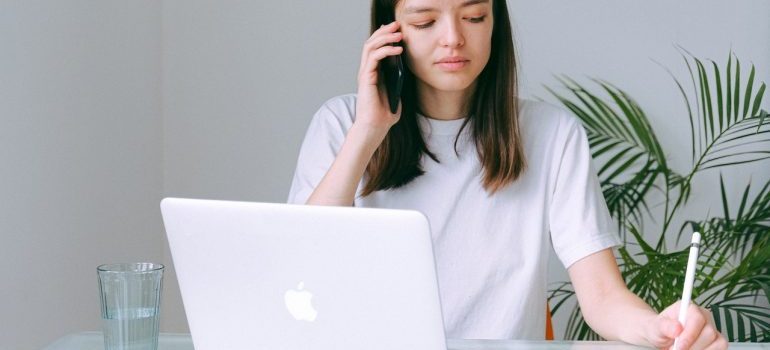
<point>423,26</point>
<point>472,20</point>
<point>477,19</point>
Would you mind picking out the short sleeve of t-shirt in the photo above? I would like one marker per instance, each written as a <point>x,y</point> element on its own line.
<point>323,140</point>
<point>580,222</point>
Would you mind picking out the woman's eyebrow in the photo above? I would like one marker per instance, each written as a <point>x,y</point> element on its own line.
<point>411,10</point>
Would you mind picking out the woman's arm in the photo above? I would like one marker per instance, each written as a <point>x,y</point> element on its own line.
<point>372,122</point>
<point>338,186</point>
<point>617,314</point>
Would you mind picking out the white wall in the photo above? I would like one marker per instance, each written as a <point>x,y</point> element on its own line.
<point>107,106</point>
<point>80,158</point>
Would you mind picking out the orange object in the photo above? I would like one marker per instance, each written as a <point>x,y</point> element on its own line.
<point>548,324</point>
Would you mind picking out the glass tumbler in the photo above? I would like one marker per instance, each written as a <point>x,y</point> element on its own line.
<point>130,303</point>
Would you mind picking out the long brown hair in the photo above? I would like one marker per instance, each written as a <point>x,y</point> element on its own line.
<point>493,117</point>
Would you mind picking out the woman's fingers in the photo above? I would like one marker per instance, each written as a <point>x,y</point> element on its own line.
<point>719,344</point>
<point>700,332</point>
<point>692,328</point>
<point>370,70</point>
<point>709,337</point>
<point>379,39</point>
<point>382,40</point>
<point>387,27</point>
<point>663,331</point>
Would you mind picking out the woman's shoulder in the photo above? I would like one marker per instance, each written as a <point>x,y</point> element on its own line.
<point>342,107</point>
<point>537,117</point>
<point>342,101</point>
<point>335,115</point>
<point>544,112</point>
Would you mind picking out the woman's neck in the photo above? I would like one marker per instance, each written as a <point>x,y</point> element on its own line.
<point>444,105</point>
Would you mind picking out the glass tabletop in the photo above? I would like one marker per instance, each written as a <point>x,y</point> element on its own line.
<point>175,341</point>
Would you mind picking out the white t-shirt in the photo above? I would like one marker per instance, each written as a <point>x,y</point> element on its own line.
<point>491,251</point>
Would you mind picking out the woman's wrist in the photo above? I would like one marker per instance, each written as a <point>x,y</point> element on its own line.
<point>640,320</point>
<point>625,317</point>
<point>338,186</point>
<point>366,136</point>
<point>646,331</point>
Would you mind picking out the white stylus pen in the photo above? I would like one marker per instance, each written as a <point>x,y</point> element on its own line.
<point>689,278</point>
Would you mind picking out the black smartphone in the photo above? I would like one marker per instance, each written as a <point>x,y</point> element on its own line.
<point>392,68</point>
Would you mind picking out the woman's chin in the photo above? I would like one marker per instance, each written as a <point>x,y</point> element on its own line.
<point>451,83</point>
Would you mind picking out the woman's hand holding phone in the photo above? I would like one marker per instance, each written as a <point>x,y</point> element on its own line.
<point>372,107</point>
<point>373,120</point>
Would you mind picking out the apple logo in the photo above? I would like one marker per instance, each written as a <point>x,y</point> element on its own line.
<point>299,303</point>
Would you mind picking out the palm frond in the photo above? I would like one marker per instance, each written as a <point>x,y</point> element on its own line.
<point>741,321</point>
<point>750,226</point>
<point>724,124</point>
<point>560,295</point>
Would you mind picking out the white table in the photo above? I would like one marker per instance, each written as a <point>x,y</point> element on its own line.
<point>171,341</point>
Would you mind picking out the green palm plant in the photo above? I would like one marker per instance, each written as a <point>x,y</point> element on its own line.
<point>727,128</point>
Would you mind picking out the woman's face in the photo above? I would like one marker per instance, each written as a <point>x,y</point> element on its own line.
<point>446,30</point>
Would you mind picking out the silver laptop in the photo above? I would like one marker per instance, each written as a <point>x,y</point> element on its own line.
<point>280,276</point>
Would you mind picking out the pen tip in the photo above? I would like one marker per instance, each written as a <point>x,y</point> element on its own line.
<point>696,237</point>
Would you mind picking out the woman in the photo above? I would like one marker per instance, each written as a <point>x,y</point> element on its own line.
<point>501,180</point>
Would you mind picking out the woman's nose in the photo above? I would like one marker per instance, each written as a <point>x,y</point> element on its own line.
<point>452,36</point>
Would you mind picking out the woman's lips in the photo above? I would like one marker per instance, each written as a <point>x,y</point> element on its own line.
<point>452,66</point>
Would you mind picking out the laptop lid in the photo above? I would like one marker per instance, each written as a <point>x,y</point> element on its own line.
<point>281,276</point>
